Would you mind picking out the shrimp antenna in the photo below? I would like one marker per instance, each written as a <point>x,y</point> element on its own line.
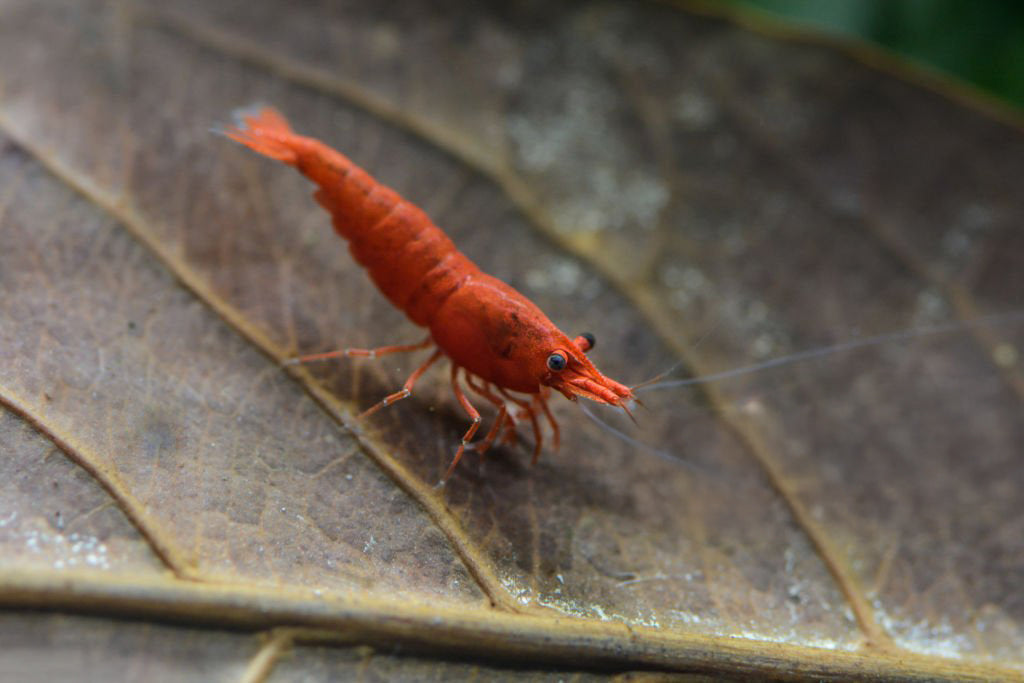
<point>807,354</point>
<point>664,455</point>
<point>667,456</point>
<point>628,412</point>
<point>657,378</point>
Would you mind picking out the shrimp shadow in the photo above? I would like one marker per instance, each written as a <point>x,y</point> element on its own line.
<point>505,471</point>
<point>531,516</point>
<point>538,508</point>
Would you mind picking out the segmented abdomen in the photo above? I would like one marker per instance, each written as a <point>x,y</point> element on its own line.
<point>410,259</point>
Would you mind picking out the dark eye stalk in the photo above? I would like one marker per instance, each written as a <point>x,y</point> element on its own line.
<point>557,361</point>
<point>585,342</point>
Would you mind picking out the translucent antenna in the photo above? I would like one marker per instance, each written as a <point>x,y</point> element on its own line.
<point>886,338</point>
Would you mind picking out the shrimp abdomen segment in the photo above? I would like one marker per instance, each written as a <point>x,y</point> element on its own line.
<point>413,263</point>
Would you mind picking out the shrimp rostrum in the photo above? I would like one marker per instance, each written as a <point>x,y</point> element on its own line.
<point>498,341</point>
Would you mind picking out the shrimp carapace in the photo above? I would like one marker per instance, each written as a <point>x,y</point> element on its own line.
<point>499,339</point>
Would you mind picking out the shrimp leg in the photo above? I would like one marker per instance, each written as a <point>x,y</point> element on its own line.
<point>361,353</point>
<point>487,391</point>
<point>526,408</point>
<point>542,400</point>
<point>493,432</point>
<point>473,414</point>
<point>406,390</point>
<point>484,390</point>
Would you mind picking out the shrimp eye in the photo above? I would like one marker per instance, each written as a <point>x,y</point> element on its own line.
<point>585,341</point>
<point>557,361</point>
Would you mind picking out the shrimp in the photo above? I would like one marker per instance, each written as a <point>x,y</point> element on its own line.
<point>492,334</point>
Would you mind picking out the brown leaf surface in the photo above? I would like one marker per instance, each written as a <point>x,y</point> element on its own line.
<point>689,190</point>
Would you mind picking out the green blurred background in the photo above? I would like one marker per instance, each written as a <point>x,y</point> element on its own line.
<point>979,41</point>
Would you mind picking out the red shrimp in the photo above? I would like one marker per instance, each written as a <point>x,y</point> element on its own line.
<point>490,332</point>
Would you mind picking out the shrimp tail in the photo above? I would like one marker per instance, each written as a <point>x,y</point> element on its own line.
<point>265,130</point>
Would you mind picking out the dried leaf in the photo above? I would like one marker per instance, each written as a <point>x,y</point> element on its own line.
<point>692,192</point>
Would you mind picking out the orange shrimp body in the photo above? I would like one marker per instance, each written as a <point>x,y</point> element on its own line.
<point>498,337</point>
